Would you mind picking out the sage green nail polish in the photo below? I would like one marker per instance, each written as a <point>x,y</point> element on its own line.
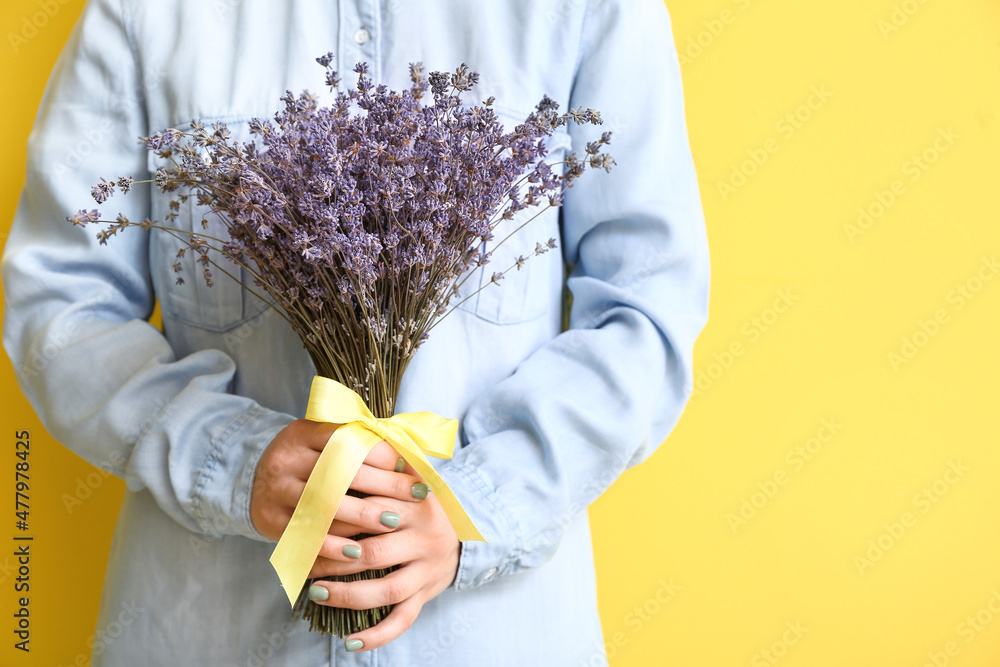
<point>354,645</point>
<point>389,519</point>
<point>400,467</point>
<point>419,490</point>
<point>352,551</point>
<point>318,593</point>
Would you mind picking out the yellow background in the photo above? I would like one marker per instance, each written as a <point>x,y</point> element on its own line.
<point>812,304</point>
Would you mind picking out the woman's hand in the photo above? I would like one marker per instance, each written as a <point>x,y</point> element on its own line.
<point>424,545</point>
<point>409,529</point>
<point>281,477</point>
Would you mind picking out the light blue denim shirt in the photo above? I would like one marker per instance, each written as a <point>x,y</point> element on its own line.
<point>549,418</point>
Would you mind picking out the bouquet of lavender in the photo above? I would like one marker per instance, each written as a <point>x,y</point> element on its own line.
<point>362,227</point>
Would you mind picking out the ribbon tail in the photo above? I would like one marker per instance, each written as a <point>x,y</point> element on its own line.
<point>460,521</point>
<point>299,545</point>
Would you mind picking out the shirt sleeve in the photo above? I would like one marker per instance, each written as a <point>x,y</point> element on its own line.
<point>599,398</point>
<point>103,380</point>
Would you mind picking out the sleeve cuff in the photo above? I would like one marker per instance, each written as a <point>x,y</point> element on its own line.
<point>222,492</point>
<point>483,562</point>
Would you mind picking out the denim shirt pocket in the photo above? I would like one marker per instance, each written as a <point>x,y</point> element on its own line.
<point>522,294</point>
<point>226,303</point>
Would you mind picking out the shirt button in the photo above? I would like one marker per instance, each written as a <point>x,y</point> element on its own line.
<point>489,575</point>
<point>362,36</point>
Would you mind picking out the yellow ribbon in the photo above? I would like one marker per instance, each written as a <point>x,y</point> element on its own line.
<point>414,435</point>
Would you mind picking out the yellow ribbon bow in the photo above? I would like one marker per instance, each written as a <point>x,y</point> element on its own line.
<point>414,435</point>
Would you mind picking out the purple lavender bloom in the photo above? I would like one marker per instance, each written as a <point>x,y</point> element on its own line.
<point>83,216</point>
<point>352,220</point>
<point>102,191</point>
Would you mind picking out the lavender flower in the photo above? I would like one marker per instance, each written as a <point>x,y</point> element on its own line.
<point>83,217</point>
<point>361,228</point>
<point>102,191</point>
<point>354,223</point>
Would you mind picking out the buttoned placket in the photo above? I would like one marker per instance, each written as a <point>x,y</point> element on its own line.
<point>359,39</point>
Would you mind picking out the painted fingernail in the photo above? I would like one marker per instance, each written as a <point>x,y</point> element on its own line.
<point>354,645</point>
<point>419,490</point>
<point>352,551</point>
<point>318,593</point>
<point>400,467</point>
<point>389,519</point>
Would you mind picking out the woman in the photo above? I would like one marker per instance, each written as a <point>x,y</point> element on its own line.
<point>199,419</point>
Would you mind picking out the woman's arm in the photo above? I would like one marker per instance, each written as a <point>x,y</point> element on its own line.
<point>547,441</point>
<point>104,381</point>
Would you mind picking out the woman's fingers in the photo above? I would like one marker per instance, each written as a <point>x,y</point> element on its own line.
<point>376,481</point>
<point>392,626</point>
<point>374,515</point>
<point>425,548</point>
<point>398,588</point>
<point>290,459</point>
<point>371,515</point>
<point>376,552</point>
<point>383,456</point>
<point>335,550</point>
<point>340,549</point>
<point>366,594</point>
